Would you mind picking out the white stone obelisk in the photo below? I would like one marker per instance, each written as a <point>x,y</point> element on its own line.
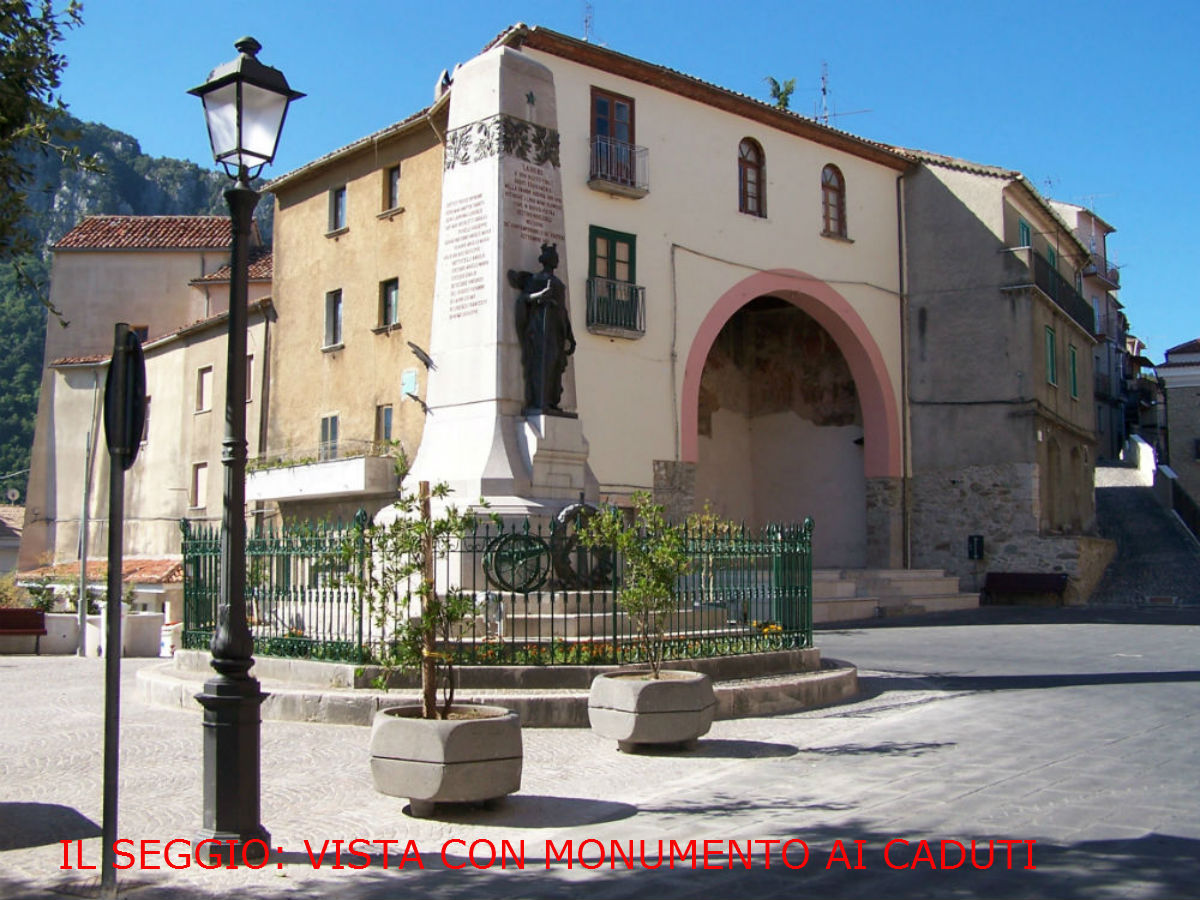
<point>501,200</point>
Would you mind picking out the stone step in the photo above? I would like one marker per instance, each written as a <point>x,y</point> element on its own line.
<point>845,609</point>
<point>932,585</point>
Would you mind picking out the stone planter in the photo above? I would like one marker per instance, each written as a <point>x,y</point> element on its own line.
<point>432,761</point>
<point>97,630</point>
<point>62,634</point>
<point>633,708</point>
<point>141,634</point>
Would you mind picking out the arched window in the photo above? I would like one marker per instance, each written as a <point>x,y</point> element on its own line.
<point>833,200</point>
<point>752,196</point>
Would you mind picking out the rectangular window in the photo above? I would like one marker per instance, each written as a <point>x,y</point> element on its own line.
<point>1052,258</point>
<point>333,319</point>
<point>1051,357</point>
<point>337,208</point>
<point>389,303</point>
<point>249,377</point>
<point>614,158</point>
<point>1024,234</point>
<point>615,302</point>
<point>391,188</point>
<point>329,438</point>
<point>197,498</point>
<point>383,423</point>
<point>1072,362</point>
<point>204,388</point>
<point>613,255</point>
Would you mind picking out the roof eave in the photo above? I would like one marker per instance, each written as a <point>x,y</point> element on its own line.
<point>398,129</point>
<point>615,63</point>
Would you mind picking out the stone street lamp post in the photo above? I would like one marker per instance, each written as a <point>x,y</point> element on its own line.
<point>245,103</point>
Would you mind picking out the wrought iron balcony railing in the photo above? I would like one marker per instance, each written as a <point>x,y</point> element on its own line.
<point>616,308</point>
<point>1104,268</point>
<point>619,168</point>
<point>1062,292</point>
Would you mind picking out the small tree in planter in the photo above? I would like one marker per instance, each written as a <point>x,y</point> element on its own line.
<point>420,753</point>
<point>399,554</point>
<point>668,707</point>
<point>653,554</point>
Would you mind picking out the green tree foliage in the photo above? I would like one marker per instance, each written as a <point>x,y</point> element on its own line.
<point>32,113</point>
<point>400,583</point>
<point>654,554</point>
<point>781,92</point>
<point>22,322</point>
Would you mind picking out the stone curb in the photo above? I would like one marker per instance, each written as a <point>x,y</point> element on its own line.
<point>164,685</point>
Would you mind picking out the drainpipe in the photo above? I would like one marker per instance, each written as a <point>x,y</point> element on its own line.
<point>905,492</point>
<point>82,604</point>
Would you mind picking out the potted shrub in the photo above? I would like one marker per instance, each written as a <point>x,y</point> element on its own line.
<point>647,706</point>
<point>434,752</point>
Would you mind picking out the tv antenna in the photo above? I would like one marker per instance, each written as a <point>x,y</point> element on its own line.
<point>588,18</point>
<point>823,115</point>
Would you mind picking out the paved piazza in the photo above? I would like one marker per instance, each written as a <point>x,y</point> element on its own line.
<point>1074,737</point>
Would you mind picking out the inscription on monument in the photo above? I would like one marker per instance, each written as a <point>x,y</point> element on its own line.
<point>468,235</point>
<point>533,203</point>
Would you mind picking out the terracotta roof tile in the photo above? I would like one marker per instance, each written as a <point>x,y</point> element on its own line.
<point>260,268</point>
<point>148,233</point>
<point>134,570</point>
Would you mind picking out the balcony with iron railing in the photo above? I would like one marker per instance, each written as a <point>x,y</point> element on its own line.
<point>617,167</point>
<point>1100,266</point>
<point>616,308</point>
<point>1048,280</point>
<point>331,470</point>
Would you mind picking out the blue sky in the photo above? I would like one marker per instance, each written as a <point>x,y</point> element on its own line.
<point>1097,103</point>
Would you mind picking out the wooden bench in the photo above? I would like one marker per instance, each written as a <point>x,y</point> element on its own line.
<point>23,623</point>
<point>1011,587</point>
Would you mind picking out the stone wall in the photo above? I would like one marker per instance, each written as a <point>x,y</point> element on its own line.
<point>1001,503</point>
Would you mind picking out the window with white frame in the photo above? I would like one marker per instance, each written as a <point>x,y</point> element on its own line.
<point>328,448</point>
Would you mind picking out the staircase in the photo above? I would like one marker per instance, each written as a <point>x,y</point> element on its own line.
<point>846,595</point>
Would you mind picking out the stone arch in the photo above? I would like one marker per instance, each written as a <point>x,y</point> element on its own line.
<point>881,417</point>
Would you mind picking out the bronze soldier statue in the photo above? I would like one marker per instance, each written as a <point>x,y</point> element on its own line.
<point>544,329</point>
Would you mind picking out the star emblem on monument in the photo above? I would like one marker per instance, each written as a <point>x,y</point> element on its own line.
<point>530,99</point>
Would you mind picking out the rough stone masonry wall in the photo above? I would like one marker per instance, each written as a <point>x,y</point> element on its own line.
<point>1001,503</point>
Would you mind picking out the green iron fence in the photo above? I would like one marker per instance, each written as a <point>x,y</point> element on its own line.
<point>538,597</point>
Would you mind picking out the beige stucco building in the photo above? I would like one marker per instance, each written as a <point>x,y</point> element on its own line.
<point>164,277</point>
<point>354,248</point>
<point>733,279</point>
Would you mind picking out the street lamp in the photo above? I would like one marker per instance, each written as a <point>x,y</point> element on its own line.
<point>245,104</point>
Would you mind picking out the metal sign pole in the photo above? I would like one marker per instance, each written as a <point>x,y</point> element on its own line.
<point>114,396</point>
<point>124,416</point>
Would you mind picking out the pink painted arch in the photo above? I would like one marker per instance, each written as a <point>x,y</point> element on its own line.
<point>881,419</point>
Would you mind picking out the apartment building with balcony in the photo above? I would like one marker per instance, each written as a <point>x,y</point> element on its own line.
<point>1001,362</point>
<point>355,243</point>
<point>1100,279</point>
<point>733,281</point>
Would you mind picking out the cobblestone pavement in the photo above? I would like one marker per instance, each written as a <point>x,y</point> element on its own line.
<point>1075,730</point>
<point>1157,557</point>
